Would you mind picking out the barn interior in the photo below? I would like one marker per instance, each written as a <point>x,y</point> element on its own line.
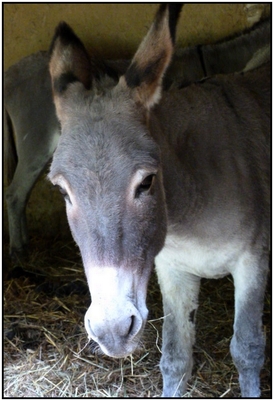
<point>46,351</point>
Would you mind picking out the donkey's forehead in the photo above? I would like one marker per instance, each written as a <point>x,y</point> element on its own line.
<point>101,119</point>
<point>101,101</point>
<point>98,135</point>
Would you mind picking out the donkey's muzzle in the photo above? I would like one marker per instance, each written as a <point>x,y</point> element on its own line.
<point>117,330</point>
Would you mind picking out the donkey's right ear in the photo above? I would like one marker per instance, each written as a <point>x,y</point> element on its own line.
<point>146,71</point>
<point>69,62</point>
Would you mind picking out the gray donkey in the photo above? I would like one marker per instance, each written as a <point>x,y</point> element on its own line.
<point>31,129</point>
<point>179,178</point>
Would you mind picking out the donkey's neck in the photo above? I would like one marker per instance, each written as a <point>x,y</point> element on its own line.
<point>184,193</point>
<point>197,179</point>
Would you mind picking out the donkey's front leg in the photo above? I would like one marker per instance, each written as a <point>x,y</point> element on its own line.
<point>248,342</point>
<point>180,299</point>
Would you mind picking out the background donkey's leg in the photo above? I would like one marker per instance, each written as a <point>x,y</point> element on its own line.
<point>180,299</point>
<point>36,140</point>
<point>26,174</point>
<point>248,342</point>
<point>17,195</point>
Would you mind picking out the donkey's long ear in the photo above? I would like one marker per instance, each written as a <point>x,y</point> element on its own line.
<point>151,60</point>
<point>69,60</point>
<point>69,63</point>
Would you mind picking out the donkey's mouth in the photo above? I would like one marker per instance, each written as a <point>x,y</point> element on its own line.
<point>117,337</point>
<point>120,349</point>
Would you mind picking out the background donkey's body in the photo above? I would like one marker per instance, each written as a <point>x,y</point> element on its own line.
<point>184,182</point>
<point>224,57</point>
<point>32,131</point>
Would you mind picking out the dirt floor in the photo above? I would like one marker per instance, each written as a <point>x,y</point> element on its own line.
<point>46,353</point>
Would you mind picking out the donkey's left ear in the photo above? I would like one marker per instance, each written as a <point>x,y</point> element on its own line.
<point>145,73</point>
<point>69,63</point>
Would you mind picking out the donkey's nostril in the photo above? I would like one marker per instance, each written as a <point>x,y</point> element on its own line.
<point>131,326</point>
<point>135,325</point>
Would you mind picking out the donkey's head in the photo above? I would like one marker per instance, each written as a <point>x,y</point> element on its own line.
<point>108,169</point>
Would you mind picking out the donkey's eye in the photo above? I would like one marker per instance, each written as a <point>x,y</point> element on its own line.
<point>145,185</point>
<point>64,193</point>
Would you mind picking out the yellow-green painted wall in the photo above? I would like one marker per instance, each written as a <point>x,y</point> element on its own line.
<point>115,30</point>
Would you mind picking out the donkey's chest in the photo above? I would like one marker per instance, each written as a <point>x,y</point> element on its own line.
<point>204,259</point>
